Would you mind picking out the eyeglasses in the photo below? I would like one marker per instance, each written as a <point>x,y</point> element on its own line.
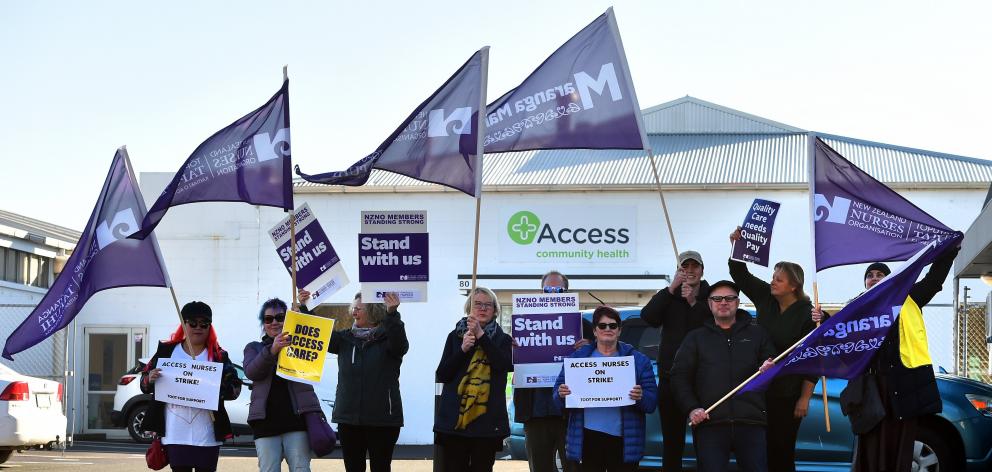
<point>608,325</point>
<point>483,305</point>
<point>725,298</point>
<point>268,319</point>
<point>202,324</point>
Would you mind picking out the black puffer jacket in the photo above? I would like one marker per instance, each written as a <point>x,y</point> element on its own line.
<point>709,364</point>
<point>676,319</point>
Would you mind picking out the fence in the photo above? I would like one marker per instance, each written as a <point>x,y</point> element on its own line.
<point>972,347</point>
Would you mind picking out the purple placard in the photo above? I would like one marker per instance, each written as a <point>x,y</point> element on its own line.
<point>756,233</point>
<point>545,338</point>
<point>314,254</point>
<point>393,257</point>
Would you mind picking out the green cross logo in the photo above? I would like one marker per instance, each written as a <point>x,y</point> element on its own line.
<point>523,227</point>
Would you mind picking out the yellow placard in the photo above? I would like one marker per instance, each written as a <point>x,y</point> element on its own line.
<point>303,359</point>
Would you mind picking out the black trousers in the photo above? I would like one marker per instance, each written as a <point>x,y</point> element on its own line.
<point>714,443</point>
<point>783,429</point>
<point>544,439</point>
<point>375,441</point>
<point>673,424</point>
<point>462,454</point>
<point>602,452</point>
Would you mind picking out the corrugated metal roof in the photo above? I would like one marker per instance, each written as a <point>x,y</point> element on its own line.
<point>733,157</point>
<point>38,227</point>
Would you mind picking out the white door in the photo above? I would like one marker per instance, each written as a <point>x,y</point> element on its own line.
<point>109,352</point>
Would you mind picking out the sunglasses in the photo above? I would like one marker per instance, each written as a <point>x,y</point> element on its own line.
<point>268,319</point>
<point>608,325</point>
<point>202,324</point>
<point>725,298</point>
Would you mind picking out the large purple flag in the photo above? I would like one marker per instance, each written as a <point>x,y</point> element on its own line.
<point>843,345</point>
<point>437,143</point>
<point>248,161</point>
<point>581,97</point>
<point>859,219</point>
<point>104,258</point>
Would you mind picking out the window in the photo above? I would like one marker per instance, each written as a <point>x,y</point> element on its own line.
<point>24,268</point>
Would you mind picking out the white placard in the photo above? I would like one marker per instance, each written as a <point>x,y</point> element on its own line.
<point>597,382</point>
<point>189,383</point>
<point>567,234</point>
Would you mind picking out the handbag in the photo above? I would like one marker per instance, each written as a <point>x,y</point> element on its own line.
<point>322,437</point>
<point>862,403</point>
<point>155,456</point>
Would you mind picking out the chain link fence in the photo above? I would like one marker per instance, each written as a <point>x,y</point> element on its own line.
<point>46,359</point>
<point>973,347</point>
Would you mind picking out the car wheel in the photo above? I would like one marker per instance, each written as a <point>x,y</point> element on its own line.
<point>930,451</point>
<point>5,454</point>
<point>134,420</point>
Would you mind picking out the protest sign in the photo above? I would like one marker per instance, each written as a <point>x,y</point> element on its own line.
<point>303,359</point>
<point>189,383</point>
<point>545,328</point>
<point>598,382</point>
<point>756,233</point>
<point>318,267</point>
<point>392,254</point>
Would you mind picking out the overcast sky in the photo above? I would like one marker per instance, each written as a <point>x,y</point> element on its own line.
<point>80,79</point>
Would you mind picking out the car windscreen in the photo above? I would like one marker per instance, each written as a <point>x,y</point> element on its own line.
<point>643,337</point>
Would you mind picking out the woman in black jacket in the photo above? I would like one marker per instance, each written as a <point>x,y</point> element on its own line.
<point>191,436</point>
<point>782,308</point>
<point>368,408</point>
<point>471,421</point>
<point>277,409</point>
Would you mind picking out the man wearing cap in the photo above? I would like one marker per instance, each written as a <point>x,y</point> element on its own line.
<point>678,309</point>
<point>713,360</point>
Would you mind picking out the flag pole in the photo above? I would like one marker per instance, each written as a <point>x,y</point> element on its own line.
<point>479,150</point>
<point>664,206</point>
<point>810,162</point>
<point>292,227</point>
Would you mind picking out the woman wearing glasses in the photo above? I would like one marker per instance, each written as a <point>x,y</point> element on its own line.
<point>784,311</point>
<point>610,438</point>
<point>191,436</point>
<point>471,421</point>
<point>367,408</point>
<point>277,405</point>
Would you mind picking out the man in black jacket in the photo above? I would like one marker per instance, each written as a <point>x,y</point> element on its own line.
<point>678,309</point>
<point>711,362</point>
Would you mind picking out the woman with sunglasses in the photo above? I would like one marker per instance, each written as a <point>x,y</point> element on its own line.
<point>191,436</point>
<point>277,405</point>
<point>611,438</point>
<point>784,311</point>
<point>471,421</point>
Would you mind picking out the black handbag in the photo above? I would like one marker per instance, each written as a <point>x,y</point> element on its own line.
<point>862,403</point>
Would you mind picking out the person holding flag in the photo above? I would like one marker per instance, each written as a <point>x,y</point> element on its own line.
<point>783,309</point>
<point>907,390</point>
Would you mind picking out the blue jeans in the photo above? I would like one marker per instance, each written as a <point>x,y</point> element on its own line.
<point>293,446</point>
<point>714,443</point>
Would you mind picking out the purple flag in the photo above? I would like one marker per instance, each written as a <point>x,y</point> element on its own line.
<point>248,161</point>
<point>437,143</point>
<point>858,219</point>
<point>581,97</point>
<point>843,345</point>
<point>103,259</point>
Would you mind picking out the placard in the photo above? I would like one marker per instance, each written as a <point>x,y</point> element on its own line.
<point>303,359</point>
<point>756,233</point>
<point>545,327</point>
<point>318,267</point>
<point>393,253</point>
<point>598,382</point>
<point>189,383</point>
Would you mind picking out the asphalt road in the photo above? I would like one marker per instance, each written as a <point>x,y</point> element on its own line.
<point>107,456</point>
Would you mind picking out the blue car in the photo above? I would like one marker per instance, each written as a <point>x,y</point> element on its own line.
<point>959,438</point>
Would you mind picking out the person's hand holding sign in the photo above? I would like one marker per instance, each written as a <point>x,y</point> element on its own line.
<point>563,391</point>
<point>468,341</point>
<point>392,301</point>
<point>280,342</point>
<point>154,374</point>
<point>303,296</point>
<point>636,393</point>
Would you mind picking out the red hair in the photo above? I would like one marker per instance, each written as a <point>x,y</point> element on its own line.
<point>213,348</point>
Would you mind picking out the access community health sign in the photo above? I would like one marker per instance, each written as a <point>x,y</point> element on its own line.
<point>568,234</point>
<point>545,328</point>
<point>393,255</point>
<point>318,267</point>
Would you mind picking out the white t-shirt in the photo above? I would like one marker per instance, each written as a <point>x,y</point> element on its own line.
<point>185,424</point>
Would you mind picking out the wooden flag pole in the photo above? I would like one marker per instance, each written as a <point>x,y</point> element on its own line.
<point>479,150</point>
<point>826,409</point>
<point>475,250</point>
<point>292,229</point>
<point>811,175</point>
<point>664,205</point>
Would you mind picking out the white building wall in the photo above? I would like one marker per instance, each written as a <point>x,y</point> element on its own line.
<point>220,253</point>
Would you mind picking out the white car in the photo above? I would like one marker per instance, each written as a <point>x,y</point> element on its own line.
<point>30,412</point>
<point>130,404</point>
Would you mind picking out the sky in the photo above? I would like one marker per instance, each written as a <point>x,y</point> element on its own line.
<point>80,79</point>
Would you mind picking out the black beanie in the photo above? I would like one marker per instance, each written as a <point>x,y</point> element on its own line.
<point>193,310</point>
<point>879,267</point>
